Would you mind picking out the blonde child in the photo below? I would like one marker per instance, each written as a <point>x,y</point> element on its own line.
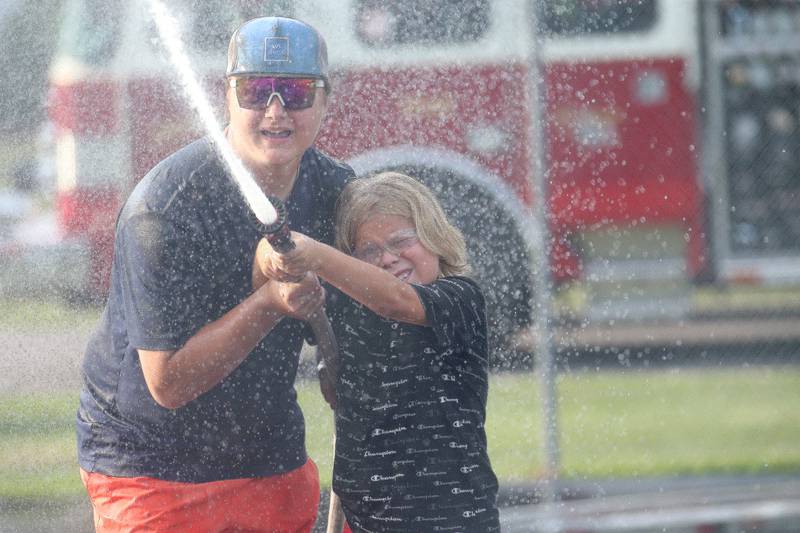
<point>412,383</point>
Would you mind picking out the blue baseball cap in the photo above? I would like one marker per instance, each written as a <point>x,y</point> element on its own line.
<point>277,46</point>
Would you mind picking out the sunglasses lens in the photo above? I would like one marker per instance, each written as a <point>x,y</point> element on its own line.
<point>295,93</point>
<point>253,93</point>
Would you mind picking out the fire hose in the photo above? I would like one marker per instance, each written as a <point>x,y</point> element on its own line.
<point>280,239</point>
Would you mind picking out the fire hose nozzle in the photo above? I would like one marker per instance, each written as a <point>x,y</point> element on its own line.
<point>278,233</point>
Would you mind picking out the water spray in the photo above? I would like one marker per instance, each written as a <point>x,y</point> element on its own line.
<point>270,213</point>
<point>168,29</point>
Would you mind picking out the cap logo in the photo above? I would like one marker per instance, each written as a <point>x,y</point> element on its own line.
<point>276,49</point>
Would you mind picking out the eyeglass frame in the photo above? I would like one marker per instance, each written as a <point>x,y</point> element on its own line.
<point>380,249</point>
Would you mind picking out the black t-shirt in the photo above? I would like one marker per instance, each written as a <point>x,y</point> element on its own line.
<point>183,255</point>
<point>410,442</point>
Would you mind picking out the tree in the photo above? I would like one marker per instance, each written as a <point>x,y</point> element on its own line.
<point>29,32</point>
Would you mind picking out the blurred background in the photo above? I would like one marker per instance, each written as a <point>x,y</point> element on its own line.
<point>625,173</point>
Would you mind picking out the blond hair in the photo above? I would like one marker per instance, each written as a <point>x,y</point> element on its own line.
<point>393,193</point>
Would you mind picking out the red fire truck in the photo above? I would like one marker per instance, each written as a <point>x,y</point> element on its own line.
<point>440,90</point>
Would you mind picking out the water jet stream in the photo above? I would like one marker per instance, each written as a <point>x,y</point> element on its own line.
<point>169,30</point>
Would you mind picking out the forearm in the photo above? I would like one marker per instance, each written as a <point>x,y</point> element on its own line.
<point>211,354</point>
<point>374,287</point>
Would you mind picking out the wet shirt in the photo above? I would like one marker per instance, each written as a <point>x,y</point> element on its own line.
<point>184,248</point>
<point>410,442</point>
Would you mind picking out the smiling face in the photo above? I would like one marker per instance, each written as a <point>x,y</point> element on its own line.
<point>272,142</point>
<point>413,263</point>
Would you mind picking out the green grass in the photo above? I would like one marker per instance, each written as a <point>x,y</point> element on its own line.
<point>37,446</point>
<point>32,314</point>
<point>613,424</point>
<point>645,423</point>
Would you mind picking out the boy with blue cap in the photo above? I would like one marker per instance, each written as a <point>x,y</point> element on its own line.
<point>188,418</point>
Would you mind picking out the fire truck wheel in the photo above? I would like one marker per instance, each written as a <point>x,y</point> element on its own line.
<point>498,255</point>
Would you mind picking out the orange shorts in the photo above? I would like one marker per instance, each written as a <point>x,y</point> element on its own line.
<point>285,503</point>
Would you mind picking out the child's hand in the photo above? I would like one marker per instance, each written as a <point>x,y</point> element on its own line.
<point>303,258</point>
<point>267,262</point>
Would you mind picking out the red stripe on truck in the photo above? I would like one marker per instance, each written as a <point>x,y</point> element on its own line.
<point>86,108</point>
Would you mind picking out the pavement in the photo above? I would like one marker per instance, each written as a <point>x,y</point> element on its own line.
<point>756,340</point>
<point>691,332</point>
<point>706,504</point>
<point>680,332</point>
<point>40,361</point>
<point>714,324</point>
<point>698,504</point>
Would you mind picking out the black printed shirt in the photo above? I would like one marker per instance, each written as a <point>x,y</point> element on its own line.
<point>410,442</point>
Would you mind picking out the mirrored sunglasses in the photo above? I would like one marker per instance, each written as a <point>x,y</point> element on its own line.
<point>396,244</point>
<point>293,93</point>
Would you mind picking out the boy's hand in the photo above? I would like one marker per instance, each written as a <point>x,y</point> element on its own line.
<point>298,300</point>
